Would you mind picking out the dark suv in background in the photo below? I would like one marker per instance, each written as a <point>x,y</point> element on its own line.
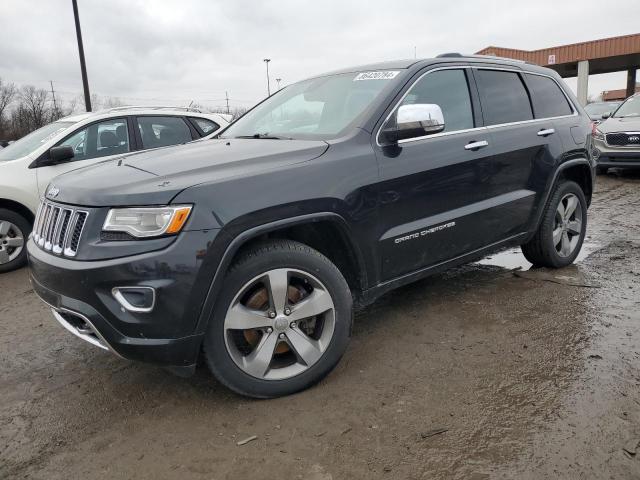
<point>255,247</point>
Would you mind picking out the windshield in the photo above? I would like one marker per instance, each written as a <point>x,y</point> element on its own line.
<point>600,108</point>
<point>316,109</point>
<point>31,142</point>
<point>630,108</point>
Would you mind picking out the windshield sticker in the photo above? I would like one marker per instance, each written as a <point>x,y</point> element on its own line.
<point>51,135</point>
<point>383,75</point>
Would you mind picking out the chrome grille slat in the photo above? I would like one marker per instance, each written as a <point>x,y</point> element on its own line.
<point>36,222</point>
<point>45,225</point>
<point>58,228</point>
<point>53,222</point>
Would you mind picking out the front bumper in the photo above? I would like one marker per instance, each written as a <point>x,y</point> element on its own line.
<point>80,295</point>
<point>622,157</point>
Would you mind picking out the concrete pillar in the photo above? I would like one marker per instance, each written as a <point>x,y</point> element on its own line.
<point>631,81</point>
<point>583,81</point>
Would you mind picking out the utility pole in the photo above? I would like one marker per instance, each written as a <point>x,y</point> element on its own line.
<point>227,95</point>
<point>278,80</point>
<point>83,66</point>
<point>53,94</point>
<point>266,61</point>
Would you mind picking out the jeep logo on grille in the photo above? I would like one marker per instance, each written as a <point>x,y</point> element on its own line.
<point>53,192</point>
<point>634,138</point>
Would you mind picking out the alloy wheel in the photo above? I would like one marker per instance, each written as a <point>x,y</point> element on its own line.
<point>568,225</point>
<point>11,241</point>
<point>279,324</point>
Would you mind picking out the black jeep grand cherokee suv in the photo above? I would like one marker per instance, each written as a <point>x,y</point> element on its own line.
<point>254,247</point>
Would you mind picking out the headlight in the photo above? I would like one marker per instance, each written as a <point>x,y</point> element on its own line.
<point>143,222</point>
<point>597,134</point>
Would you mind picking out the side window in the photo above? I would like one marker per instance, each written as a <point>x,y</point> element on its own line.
<point>163,131</point>
<point>448,89</point>
<point>547,98</point>
<point>207,126</point>
<point>102,139</point>
<point>504,97</point>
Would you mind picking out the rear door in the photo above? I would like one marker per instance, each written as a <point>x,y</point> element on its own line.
<point>524,135</point>
<point>154,131</point>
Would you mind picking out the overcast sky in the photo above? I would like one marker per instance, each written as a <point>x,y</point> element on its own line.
<point>175,51</point>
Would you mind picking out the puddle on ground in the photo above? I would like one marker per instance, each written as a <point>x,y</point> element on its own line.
<point>513,258</point>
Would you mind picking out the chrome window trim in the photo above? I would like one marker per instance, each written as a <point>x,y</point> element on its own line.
<point>484,127</point>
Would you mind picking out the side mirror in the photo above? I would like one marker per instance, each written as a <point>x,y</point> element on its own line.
<point>606,115</point>
<point>413,121</point>
<point>58,155</point>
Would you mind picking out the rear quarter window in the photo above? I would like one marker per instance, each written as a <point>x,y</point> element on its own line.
<point>503,96</point>
<point>546,97</point>
<point>205,125</point>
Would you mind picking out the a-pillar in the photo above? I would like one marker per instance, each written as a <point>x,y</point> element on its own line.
<point>583,81</point>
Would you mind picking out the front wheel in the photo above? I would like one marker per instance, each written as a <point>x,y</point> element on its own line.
<point>562,229</point>
<point>281,323</point>
<point>14,230</point>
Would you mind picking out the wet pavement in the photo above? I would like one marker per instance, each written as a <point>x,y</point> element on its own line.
<point>482,372</point>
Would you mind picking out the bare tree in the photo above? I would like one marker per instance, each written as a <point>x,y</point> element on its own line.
<point>34,101</point>
<point>112,102</point>
<point>7,94</point>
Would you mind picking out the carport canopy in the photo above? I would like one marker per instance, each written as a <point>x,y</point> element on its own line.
<point>583,59</point>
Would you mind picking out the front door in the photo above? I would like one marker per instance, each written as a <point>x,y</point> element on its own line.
<point>92,143</point>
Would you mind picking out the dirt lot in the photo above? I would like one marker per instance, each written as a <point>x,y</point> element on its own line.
<point>532,374</point>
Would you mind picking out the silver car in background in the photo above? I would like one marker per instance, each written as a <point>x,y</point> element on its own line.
<point>616,140</point>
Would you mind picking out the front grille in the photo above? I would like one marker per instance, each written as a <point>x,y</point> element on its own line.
<point>58,228</point>
<point>623,139</point>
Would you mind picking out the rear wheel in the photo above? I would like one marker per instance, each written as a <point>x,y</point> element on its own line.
<point>14,230</point>
<point>282,321</point>
<point>559,238</point>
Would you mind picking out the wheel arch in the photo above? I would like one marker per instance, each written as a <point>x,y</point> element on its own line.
<point>581,173</point>
<point>309,229</point>
<point>18,208</point>
<point>579,170</point>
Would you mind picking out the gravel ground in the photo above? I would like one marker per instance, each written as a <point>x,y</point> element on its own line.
<point>480,373</point>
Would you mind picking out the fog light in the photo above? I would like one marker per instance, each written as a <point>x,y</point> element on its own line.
<point>135,299</point>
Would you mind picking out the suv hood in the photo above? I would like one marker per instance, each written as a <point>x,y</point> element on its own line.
<point>154,177</point>
<point>624,124</point>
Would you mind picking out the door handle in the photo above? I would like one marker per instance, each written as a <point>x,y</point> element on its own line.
<point>476,145</point>
<point>546,132</point>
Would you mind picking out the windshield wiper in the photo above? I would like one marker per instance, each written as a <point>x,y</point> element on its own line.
<point>265,136</point>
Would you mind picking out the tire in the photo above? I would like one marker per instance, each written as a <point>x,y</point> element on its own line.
<point>602,170</point>
<point>305,350</point>
<point>13,253</point>
<point>542,250</point>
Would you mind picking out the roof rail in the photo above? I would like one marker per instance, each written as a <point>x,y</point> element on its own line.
<point>153,107</point>
<point>459,55</point>
<point>500,58</point>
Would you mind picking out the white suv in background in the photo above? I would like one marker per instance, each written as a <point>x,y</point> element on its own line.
<point>28,165</point>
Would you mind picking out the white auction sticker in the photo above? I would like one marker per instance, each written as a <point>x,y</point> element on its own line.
<point>382,75</point>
